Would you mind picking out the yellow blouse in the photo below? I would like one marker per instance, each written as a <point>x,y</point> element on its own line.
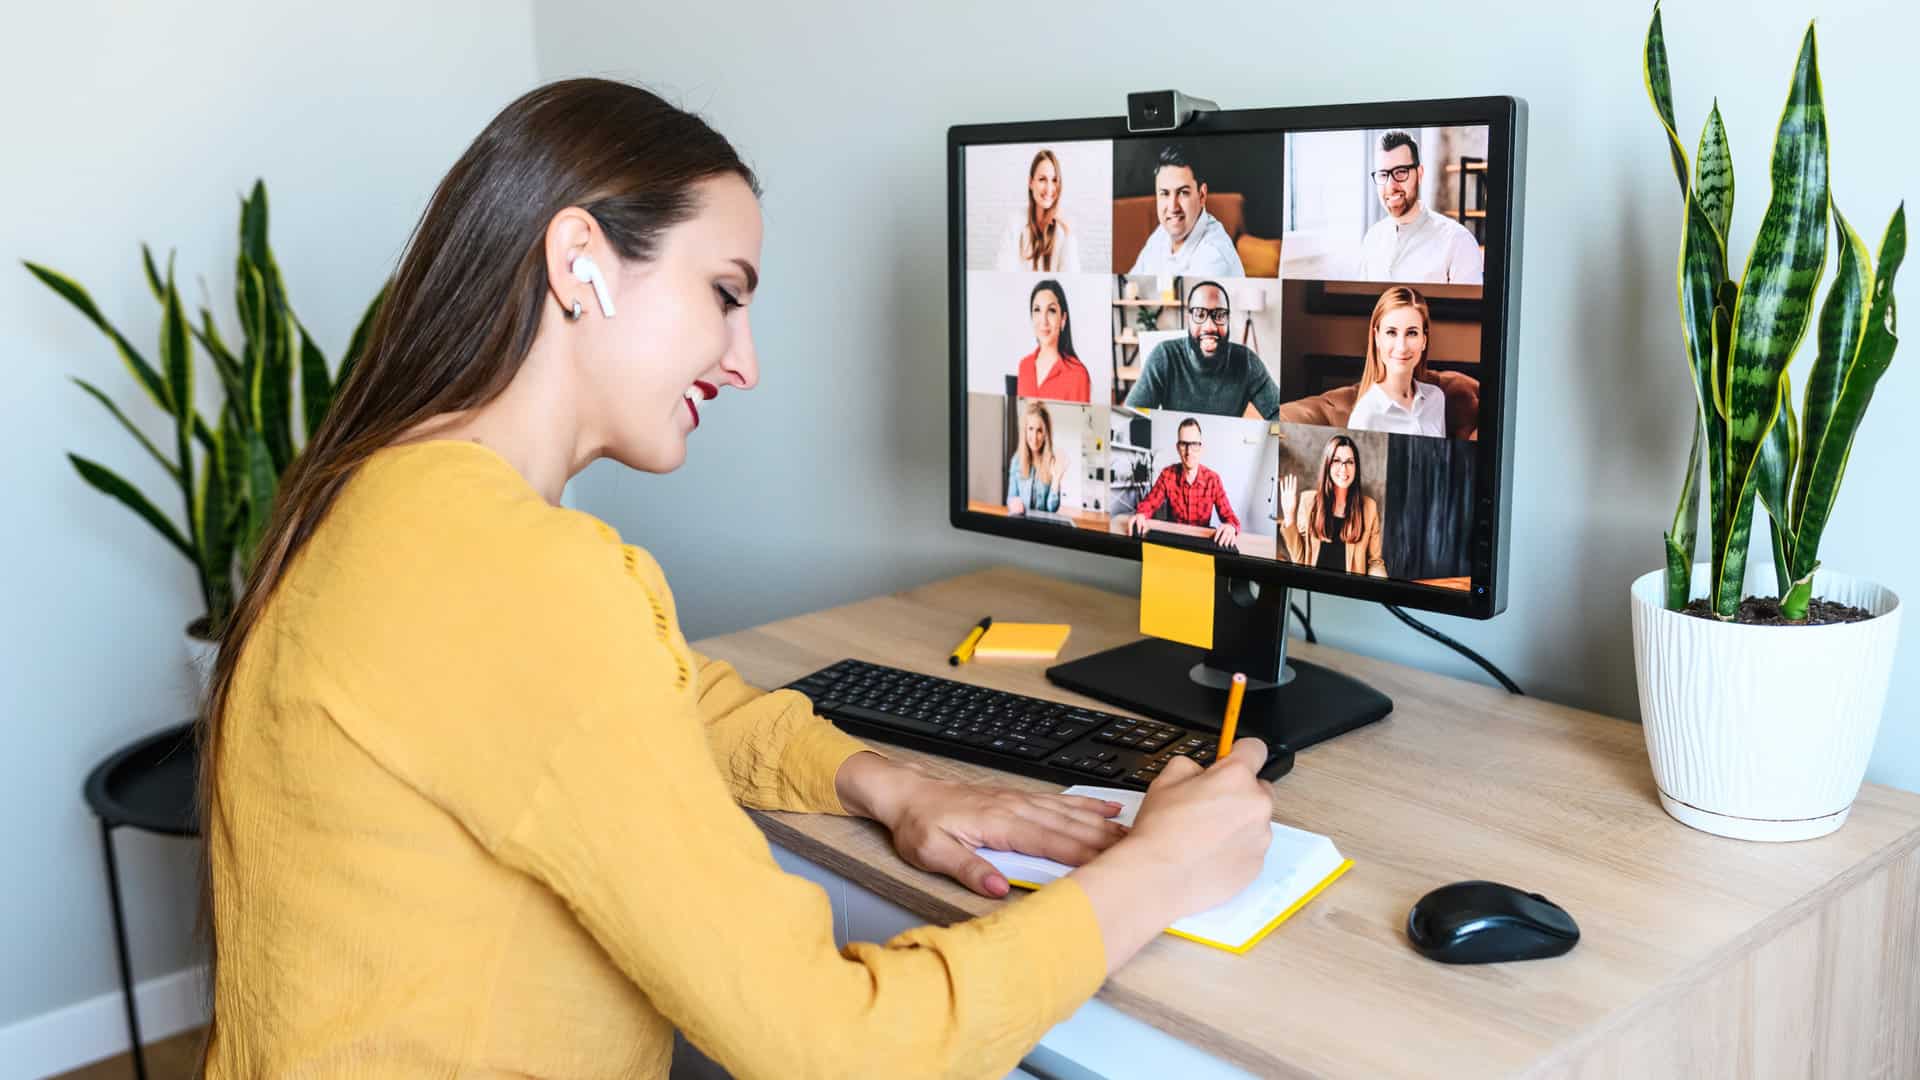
<point>480,815</point>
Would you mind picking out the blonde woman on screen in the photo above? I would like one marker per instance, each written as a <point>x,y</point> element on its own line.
<point>1034,474</point>
<point>473,805</point>
<point>1333,526</point>
<point>1395,394</point>
<point>1041,239</point>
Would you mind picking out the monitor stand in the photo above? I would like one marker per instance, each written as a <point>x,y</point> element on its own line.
<point>1290,704</point>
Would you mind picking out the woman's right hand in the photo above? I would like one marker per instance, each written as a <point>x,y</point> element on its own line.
<point>1199,838</point>
<point>1016,507</point>
<point>1289,496</point>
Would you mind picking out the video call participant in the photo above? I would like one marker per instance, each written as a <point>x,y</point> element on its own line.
<point>1188,240</point>
<point>1191,491</point>
<point>1034,473</point>
<point>1395,394</point>
<point>1204,372</point>
<point>1334,527</point>
<point>1041,239</point>
<point>1052,370</point>
<point>1412,243</point>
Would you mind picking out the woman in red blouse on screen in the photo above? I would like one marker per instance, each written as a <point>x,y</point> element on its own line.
<point>1052,370</point>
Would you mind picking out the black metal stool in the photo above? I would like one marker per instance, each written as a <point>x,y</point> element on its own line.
<point>149,785</point>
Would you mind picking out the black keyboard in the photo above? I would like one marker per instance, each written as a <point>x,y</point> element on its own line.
<point>1035,737</point>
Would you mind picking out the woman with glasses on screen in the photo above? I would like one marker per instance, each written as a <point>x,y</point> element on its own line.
<point>1053,369</point>
<point>1041,239</point>
<point>474,807</point>
<point>1395,394</point>
<point>1034,474</point>
<point>1332,526</point>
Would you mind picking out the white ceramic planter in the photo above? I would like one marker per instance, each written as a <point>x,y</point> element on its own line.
<point>200,656</point>
<point>1762,732</point>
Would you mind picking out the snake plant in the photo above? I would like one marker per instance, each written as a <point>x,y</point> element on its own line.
<point>226,496</point>
<point>1741,336</point>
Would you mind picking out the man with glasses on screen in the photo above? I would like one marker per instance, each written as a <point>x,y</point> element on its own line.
<point>1204,372</point>
<point>1412,243</point>
<point>1188,240</point>
<point>1191,492</point>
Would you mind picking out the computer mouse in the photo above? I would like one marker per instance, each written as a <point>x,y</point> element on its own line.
<point>1485,922</point>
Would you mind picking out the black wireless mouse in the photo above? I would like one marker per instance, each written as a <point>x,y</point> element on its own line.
<point>1485,922</point>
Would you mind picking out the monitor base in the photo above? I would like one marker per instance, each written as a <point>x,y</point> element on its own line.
<point>1156,678</point>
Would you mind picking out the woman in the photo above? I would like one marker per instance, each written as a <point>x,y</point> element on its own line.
<point>1334,527</point>
<point>1041,240</point>
<point>1034,473</point>
<point>473,807</point>
<point>1053,369</point>
<point>1395,394</point>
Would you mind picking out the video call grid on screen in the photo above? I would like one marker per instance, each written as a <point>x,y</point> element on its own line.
<point>1280,336</point>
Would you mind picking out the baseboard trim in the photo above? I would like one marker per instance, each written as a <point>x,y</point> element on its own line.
<point>86,1031</point>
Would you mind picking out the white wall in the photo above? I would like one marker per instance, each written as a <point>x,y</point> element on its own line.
<point>829,483</point>
<point>129,122</point>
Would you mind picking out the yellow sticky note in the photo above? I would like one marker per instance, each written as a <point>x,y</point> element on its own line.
<point>1022,641</point>
<point>1176,595</point>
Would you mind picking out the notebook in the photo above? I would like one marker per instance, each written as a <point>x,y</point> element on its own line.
<point>1299,865</point>
<point>1022,641</point>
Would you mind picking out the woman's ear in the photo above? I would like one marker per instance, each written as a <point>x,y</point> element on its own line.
<point>572,233</point>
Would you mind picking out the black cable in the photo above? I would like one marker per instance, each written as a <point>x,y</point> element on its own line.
<point>1485,664</point>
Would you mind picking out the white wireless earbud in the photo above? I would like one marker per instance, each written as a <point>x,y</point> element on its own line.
<point>588,271</point>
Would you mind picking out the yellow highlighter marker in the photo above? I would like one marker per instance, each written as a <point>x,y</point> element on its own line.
<point>963,652</point>
<point>1234,696</point>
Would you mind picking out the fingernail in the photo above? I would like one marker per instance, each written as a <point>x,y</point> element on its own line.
<point>997,885</point>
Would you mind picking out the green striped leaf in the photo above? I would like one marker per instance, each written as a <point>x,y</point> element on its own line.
<point>1776,299</point>
<point>1774,481</point>
<point>143,372</point>
<point>316,386</point>
<point>262,480</point>
<point>250,297</point>
<point>225,363</point>
<point>1658,77</point>
<point>1843,320</point>
<point>214,517</point>
<point>1875,353</point>
<point>253,224</point>
<point>176,353</point>
<point>233,464</point>
<point>153,272</point>
<point>1713,177</point>
<point>357,344</point>
<point>107,482</point>
<point>139,436</point>
<point>1686,526</point>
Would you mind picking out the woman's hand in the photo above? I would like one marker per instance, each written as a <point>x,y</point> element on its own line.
<point>1016,507</point>
<point>937,824</point>
<point>1289,498</point>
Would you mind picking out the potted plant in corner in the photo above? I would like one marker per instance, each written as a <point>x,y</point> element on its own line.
<point>226,495</point>
<point>1760,713</point>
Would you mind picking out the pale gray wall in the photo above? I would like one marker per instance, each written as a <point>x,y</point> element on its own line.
<point>829,483</point>
<point>130,122</point>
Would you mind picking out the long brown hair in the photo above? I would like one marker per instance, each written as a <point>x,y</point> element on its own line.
<point>1036,243</point>
<point>1349,532</point>
<point>1398,296</point>
<point>464,305</point>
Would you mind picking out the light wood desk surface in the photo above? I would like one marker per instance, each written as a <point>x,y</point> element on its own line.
<point>1699,956</point>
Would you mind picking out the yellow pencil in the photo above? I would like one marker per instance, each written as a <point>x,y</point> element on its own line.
<point>1234,695</point>
<point>963,652</point>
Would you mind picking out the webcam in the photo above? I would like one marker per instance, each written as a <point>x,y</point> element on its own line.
<point>1163,110</point>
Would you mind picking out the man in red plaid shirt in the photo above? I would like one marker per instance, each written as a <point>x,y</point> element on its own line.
<point>1192,491</point>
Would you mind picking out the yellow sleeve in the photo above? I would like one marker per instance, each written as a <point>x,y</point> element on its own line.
<point>774,752</point>
<point>589,765</point>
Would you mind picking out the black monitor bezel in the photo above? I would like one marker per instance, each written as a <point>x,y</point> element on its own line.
<point>1505,118</point>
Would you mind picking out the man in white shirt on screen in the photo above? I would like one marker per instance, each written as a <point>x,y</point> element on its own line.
<point>1412,243</point>
<point>1188,240</point>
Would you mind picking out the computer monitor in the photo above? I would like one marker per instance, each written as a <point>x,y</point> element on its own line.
<point>1283,336</point>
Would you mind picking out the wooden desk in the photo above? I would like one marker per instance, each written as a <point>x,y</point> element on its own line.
<point>1081,519</point>
<point>1700,956</point>
<point>1246,543</point>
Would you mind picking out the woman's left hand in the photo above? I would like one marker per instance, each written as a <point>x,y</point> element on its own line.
<point>937,824</point>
